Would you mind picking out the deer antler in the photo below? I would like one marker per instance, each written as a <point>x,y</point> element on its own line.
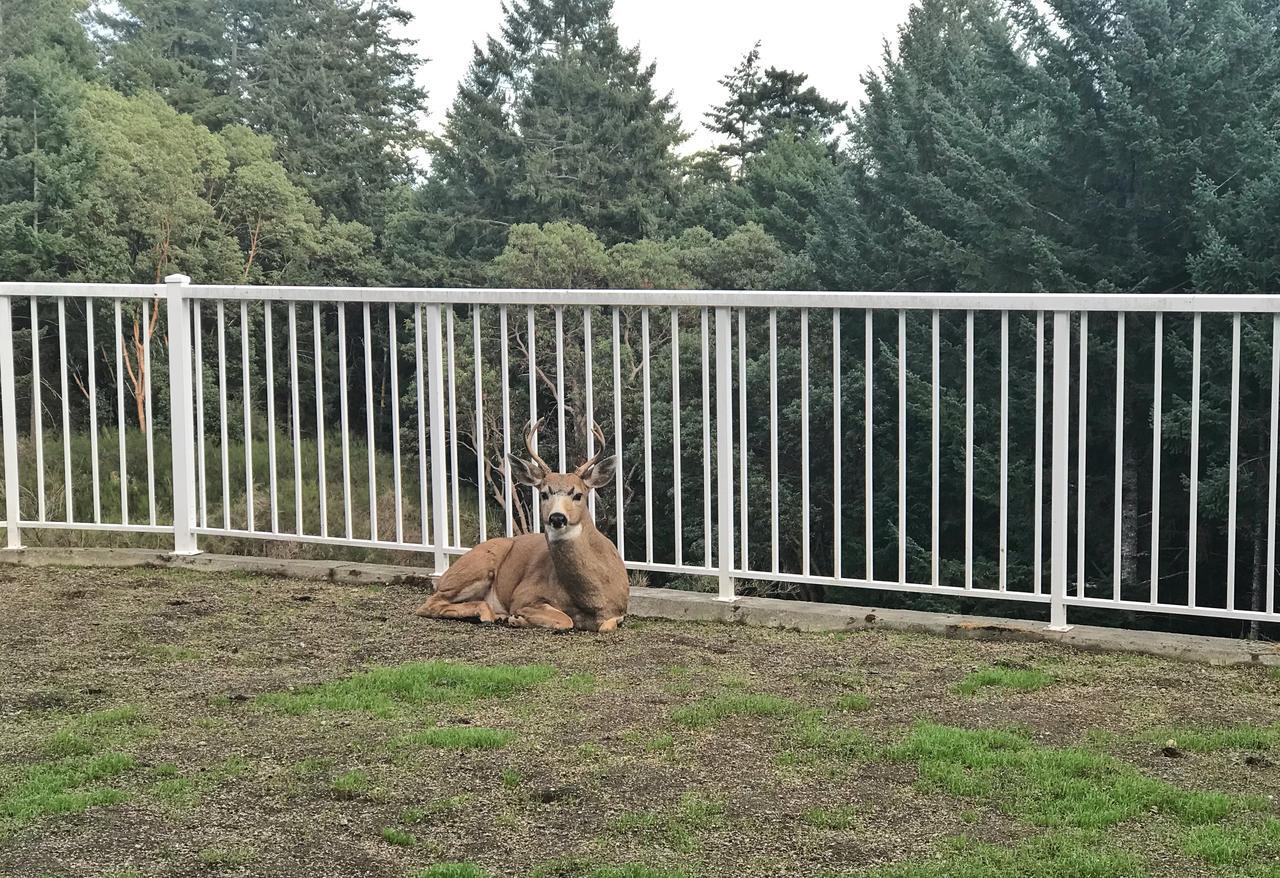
<point>601,450</point>
<point>531,431</point>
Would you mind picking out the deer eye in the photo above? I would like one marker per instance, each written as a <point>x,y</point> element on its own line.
<point>546,495</point>
<point>577,498</point>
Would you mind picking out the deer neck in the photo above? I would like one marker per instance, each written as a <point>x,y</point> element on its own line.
<point>574,554</point>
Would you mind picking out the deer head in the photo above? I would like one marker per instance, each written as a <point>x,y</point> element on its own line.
<point>563,496</point>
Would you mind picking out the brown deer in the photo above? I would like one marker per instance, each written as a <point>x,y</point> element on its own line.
<point>569,577</point>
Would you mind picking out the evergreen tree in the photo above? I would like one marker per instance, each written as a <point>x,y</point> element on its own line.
<point>763,103</point>
<point>556,120</point>
<point>329,81</point>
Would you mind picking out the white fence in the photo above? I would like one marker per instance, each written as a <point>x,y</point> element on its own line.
<point>778,445</point>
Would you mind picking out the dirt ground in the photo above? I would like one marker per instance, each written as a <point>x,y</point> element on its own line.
<point>606,763</point>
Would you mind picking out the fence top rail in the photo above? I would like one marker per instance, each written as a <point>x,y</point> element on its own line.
<point>890,301</point>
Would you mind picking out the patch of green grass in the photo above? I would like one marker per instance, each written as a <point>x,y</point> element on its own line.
<point>1049,786</point>
<point>1234,845</point>
<point>349,785</point>
<point>660,743</point>
<point>1050,856</point>
<point>312,766</point>
<point>853,703</point>
<point>814,739</point>
<point>94,731</point>
<point>225,858</point>
<point>708,711</point>
<point>457,738</point>
<point>68,786</point>
<point>174,790</point>
<point>511,778</point>
<point>398,837</point>
<point>452,870</point>
<point>1214,740</point>
<point>845,817</point>
<point>677,825</point>
<point>383,691</point>
<point>1018,679</point>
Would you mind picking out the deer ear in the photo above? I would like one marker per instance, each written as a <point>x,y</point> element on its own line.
<point>525,472</point>
<point>601,472</point>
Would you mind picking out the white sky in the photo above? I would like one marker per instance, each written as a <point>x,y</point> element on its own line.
<point>694,42</point>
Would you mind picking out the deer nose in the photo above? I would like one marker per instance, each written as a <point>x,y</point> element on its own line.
<point>557,519</point>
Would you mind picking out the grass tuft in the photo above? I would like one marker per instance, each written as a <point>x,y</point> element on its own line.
<point>349,785</point>
<point>677,825</point>
<point>1234,845</point>
<point>582,869</point>
<point>458,738</point>
<point>452,870</point>
<point>1059,856</point>
<point>69,786</point>
<point>845,817</point>
<point>853,703</point>
<point>398,837</point>
<point>383,691</point>
<point>1021,680</point>
<point>1049,786</point>
<point>708,711</point>
<point>1215,740</point>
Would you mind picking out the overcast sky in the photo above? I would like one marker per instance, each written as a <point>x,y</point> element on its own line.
<point>694,42</point>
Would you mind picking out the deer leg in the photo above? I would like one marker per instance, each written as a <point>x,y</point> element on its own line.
<point>438,607</point>
<point>541,615</point>
<point>610,624</point>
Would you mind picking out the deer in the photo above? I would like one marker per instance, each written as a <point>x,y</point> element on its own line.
<point>568,577</point>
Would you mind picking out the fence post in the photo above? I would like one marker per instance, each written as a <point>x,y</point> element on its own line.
<point>181,425</point>
<point>435,403</point>
<point>724,452</point>
<point>1058,471</point>
<point>12,514</point>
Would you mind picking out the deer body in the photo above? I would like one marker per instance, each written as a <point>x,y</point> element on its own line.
<point>571,576</point>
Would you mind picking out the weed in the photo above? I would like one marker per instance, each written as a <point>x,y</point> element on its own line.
<point>381,691</point>
<point>708,711</point>
<point>1028,680</point>
<point>458,738</point>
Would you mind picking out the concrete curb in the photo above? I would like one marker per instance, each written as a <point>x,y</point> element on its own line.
<point>658,603</point>
<point>661,603</point>
<point>295,568</point>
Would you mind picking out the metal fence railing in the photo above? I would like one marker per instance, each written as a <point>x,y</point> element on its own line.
<point>1110,452</point>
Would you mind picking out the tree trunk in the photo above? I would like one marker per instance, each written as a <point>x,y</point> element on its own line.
<point>1129,518</point>
<point>1260,577</point>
